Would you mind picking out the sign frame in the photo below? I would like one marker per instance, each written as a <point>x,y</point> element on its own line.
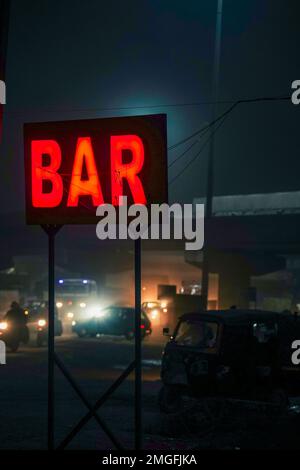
<point>151,129</point>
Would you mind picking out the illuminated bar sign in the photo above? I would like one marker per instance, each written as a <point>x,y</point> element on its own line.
<point>71,167</point>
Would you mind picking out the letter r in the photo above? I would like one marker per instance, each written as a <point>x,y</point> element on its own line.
<point>128,171</point>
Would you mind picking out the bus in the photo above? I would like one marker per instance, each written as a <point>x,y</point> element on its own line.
<point>76,298</point>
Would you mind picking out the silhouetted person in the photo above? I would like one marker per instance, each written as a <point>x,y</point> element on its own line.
<point>16,315</point>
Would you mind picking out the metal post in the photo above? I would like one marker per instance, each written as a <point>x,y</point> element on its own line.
<point>210,167</point>
<point>138,359</point>
<point>4,24</point>
<point>51,294</point>
<point>51,231</point>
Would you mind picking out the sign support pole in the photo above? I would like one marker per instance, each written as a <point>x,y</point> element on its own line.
<point>51,294</point>
<point>51,231</point>
<point>138,349</point>
<point>4,27</point>
<point>210,166</point>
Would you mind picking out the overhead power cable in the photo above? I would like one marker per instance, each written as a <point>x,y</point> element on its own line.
<point>204,129</point>
<point>231,108</point>
<point>198,153</point>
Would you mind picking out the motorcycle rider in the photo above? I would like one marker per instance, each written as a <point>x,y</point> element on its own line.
<point>16,315</point>
<point>17,331</point>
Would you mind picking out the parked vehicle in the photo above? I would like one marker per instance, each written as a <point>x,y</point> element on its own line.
<point>244,354</point>
<point>112,321</point>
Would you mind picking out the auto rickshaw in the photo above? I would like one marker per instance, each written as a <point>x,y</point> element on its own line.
<point>242,354</point>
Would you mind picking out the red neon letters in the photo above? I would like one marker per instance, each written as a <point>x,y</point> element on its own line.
<point>120,170</point>
<point>75,184</point>
<point>90,186</point>
<point>40,173</point>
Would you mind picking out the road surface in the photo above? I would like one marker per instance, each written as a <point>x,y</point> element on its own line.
<point>95,363</point>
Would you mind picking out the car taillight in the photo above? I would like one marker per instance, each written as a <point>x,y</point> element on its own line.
<point>142,326</point>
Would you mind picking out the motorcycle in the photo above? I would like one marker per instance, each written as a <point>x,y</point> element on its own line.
<point>42,331</point>
<point>13,335</point>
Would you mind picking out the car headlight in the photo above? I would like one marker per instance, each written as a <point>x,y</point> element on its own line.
<point>3,325</point>
<point>100,314</point>
<point>150,304</point>
<point>59,304</point>
<point>82,304</point>
<point>70,314</point>
<point>42,322</point>
<point>154,314</point>
<point>95,311</point>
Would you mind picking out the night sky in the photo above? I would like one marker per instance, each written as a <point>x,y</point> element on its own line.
<point>71,59</point>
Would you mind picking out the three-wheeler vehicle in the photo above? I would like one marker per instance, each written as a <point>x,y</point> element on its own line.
<point>239,354</point>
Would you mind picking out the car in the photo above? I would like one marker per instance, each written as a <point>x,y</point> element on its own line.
<point>117,321</point>
<point>240,354</point>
